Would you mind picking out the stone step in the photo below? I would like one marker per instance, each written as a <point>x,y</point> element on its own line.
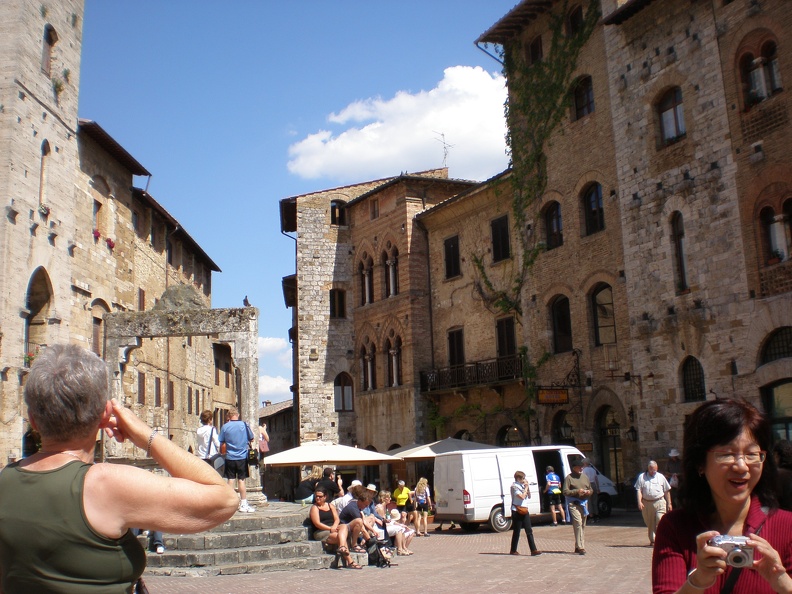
<point>206,541</point>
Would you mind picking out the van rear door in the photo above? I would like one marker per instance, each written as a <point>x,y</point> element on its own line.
<point>449,476</point>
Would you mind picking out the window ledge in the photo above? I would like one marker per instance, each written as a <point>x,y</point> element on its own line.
<point>671,141</point>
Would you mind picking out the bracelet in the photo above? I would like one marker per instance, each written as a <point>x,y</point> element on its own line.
<point>151,438</point>
<point>694,586</point>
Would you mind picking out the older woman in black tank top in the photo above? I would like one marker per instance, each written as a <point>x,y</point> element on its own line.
<point>327,527</point>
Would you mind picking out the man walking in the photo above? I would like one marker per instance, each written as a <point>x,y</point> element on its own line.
<point>236,437</point>
<point>577,490</point>
<point>654,497</point>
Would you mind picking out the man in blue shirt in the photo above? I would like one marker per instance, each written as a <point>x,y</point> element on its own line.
<point>553,490</point>
<point>235,437</point>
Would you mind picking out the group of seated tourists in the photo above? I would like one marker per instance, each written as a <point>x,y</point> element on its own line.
<point>347,521</point>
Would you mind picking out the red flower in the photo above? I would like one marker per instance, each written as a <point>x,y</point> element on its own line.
<point>96,234</point>
<point>110,243</point>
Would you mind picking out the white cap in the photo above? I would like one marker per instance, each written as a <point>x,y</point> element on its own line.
<point>401,483</point>
<point>356,483</point>
<point>371,487</point>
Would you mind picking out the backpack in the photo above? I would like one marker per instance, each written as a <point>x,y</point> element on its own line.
<point>376,556</point>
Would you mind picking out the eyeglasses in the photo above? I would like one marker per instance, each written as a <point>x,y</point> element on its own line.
<point>729,458</point>
<point>319,495</point>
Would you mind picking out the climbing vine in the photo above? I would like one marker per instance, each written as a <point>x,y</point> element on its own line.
<point>539,99</point>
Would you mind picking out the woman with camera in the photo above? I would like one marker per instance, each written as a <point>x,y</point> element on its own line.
<point>521,519</point>
<point>728,490</point>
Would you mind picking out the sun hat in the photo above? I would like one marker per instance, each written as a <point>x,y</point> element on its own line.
<point>371,487</point>
<point>356,483</point>
<point>394,514</point>
<point>674,453</point>
<point>401,483</point>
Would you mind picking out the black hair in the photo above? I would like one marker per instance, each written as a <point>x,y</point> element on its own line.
<point>328,472</point>
<point>714,423</point>
<point>783,449</point>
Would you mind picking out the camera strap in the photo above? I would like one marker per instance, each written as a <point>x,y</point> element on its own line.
<point>736,571</point>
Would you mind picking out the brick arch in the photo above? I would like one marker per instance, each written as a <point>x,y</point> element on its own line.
<point>604,397</point>
<point>586,179</point>
<point>383,243</point>
<point>772,316</point>
<point>367,330</point>
<point>366,247</point>
<point>596,277</point>
<point>750,33</point>
<point>555,290</point>
<point>773,195</point>
<point>392,323</point>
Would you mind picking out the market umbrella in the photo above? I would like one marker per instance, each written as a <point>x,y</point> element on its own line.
<point>430,450</point>
<point>323,452</point>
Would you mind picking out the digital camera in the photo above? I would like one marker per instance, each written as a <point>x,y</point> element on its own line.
<point>738,553</point>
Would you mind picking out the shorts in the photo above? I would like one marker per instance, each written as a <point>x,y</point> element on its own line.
<point>236,469</point>
<point>555,499</point>
<point>321,535</point>
<point>423,507</point>
<point>409,508</point>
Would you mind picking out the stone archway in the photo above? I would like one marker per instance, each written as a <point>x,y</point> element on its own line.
<point>180,312</point>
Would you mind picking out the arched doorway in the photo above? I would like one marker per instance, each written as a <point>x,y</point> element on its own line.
<point>609,446</point>
<point>37,301</point>
<point>777,396</point>
<point>509,437</point>
<point>561,429</point>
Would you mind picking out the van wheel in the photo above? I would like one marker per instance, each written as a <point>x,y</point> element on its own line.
<point>469,526</point>
<point>604,506</point>
<point>498,521</point>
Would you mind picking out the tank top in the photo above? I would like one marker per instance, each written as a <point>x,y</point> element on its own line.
<point>47,545</point>
<point>326,516</point>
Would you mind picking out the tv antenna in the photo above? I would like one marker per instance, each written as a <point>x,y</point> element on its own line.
<point>446,146</point>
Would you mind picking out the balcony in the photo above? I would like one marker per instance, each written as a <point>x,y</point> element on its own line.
<point>489,372</point>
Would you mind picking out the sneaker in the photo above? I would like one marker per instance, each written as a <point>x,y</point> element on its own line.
<point>160,550</point>
<point>246,509</point>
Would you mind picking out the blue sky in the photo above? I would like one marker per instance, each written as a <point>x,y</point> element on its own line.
<point>233,106</point>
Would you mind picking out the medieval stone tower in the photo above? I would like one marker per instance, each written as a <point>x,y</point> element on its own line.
<point>40,47</point>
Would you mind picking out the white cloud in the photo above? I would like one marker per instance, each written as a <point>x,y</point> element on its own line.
<point>274,349</point>
<point>384,137</point>
<point>275,389</point>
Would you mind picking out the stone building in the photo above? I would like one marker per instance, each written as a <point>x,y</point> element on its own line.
<point>662,276</point>
<point>78,241</point>
<point>279,482</point>
<point>361,308</point>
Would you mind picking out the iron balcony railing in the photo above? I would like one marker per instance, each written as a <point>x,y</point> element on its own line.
<point>478,373</point>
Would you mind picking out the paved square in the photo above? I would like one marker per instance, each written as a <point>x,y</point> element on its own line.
<point>617,558</point>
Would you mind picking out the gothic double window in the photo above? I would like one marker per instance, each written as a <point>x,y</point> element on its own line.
<point>368,366</point>
<point>393,346</point>
<point>366,274</point>
<point>776,233</point>
<point>760,75</point>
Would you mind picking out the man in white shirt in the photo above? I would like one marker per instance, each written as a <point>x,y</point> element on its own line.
<point>654,498</point>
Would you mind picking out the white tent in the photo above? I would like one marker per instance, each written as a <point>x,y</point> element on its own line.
<point>323,452</point>
<point>430,450</point>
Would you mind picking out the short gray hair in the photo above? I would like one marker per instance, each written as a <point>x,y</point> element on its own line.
<point>66,391</point>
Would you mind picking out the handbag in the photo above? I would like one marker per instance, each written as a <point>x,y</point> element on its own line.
<point>252,458</point>
<point>523,511</point>
<point>217,461</point>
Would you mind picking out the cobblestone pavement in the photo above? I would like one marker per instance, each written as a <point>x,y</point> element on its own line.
<point>617,558</point>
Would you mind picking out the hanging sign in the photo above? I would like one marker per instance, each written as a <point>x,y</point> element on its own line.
<point>552,396</point>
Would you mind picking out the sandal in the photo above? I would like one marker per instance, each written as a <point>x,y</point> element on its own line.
<point>352,565</point>
<point>359,549</point>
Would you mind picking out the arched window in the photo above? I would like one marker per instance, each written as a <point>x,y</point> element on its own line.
<point>778,346</point>
<point>553,226</point>
<point>49,40</point>
<point>562,325</point>
<point>593,210</point>
<point>584,97</point>
<point>338,214</point>
<point>342,388</point>
<point>390,267</point>
<point>98,310</point>
<point>366,273</point>
<point>604,319</point>
<point>45,152</point>
<point>393,347</point>
<point>774,238</point>
<point>693,387</point>
<point>678,248</point>
<point>574,21</point>
<point>533,51</point>
<point>37,303</point>
<point>672,116</point>
<point>760,76</point>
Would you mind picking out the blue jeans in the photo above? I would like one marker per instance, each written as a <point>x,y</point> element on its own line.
<point>154,538</point>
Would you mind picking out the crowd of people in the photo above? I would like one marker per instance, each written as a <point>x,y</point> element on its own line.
<point>361,517</point>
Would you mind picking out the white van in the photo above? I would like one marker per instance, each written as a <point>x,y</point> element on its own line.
<point>472,487</point>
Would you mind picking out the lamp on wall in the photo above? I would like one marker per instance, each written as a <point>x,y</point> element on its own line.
<point>632,433</point>
<point>566,430</point>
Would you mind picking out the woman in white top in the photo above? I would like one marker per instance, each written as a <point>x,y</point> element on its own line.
<point>208,444</point>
